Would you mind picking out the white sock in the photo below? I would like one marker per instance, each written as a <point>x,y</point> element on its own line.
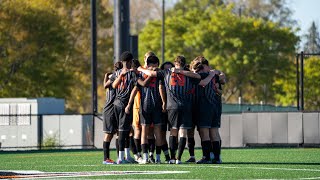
<point>127,151</point>
<point>145,156</point>
<point>150,153</point>
<point>121,155</point>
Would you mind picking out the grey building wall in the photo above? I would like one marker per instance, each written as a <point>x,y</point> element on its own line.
<point>76,131</point>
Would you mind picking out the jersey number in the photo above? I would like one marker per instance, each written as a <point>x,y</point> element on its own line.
<point>177,79</point>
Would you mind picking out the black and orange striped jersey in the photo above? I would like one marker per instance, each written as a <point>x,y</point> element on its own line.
<point>150,94</point>
<point>123,90</point>
<point>110,96</point>
<point>178,88</point>
<point>210,90</point>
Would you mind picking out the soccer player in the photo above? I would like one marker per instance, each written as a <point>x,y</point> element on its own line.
<point>150,111</point>
<point>109,121</point>
<point>124,81</point>
<point>165,66</point>
<point>208,121</point>
<point>178,84</point>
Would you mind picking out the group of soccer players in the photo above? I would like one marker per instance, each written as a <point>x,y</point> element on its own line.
<point>143,102</point>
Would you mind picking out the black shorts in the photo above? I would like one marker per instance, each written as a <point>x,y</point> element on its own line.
<point>109,121</point>
<point>219,104</point>
<point>208,114</point>
<point>180,118</point>
<point>124,121</point>
<point>165,123</point>
<point>153,117</point>
<point>194,115</point>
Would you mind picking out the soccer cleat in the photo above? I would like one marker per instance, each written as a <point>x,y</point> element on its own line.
<point>172,161</point>
<point>143,161</point>
<point>203,161</point>
<point>151,159</point>
<point>215,161</point>
<point>122,161</point>
<point>108,161</point>
<point>178,162</point>
<point>191,160</point>
<point>131,160</point>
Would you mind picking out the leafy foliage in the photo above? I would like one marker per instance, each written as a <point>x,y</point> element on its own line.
<point>252,52</point>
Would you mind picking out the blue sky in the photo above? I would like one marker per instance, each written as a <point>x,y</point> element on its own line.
<point>305,11</point>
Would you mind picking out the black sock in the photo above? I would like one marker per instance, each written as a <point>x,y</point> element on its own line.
<point>133,146</point>
<point>191,144</point>
<point>145,148</point>
<point>173,146</point>
<point>138,144</point>
<point>106,150</point>
<point>182,145</point>
<point>122,140</point>
<point>117,146</point>
<point>216,149</point>
<point>206,149</point>
<point>158,149</point>
<point>152,145</point>
<point>202,145</point>
<point>165,151</point>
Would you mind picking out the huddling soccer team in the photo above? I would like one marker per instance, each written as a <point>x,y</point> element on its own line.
<point>144,102</point>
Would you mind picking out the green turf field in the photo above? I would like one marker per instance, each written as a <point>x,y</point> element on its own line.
<point>269,163</point>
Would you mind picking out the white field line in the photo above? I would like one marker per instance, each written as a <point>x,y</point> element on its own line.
<point>214,166</point>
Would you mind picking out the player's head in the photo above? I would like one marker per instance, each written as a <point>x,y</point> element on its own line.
<point>153,61</point>
<point>196,66</point>
<point>180,62</point>
<point>204,62</point>
<point>118,65</point>
<point>126,58</point>
<point>166,65</point>
<point>135,64</point>
<point>149,53</point>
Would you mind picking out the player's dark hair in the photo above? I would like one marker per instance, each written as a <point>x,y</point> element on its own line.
<point>118,65</point>
<point>135,64</point>
<point>153,60</point>
<point>165,63</point>
<point>181,60</point>
<point>126,56</point>
<point>202,60</point>
<point>196,65</point>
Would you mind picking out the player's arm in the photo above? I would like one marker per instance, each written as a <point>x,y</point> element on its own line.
<point>131,100</point>
<point>147,72</point>
<point>163,96</point>
<point>106,81</point>
<point>207,80</point>
<point>222,78</point>
<point>144,82</point>
<point>186,73</point>
<point>118,79</point>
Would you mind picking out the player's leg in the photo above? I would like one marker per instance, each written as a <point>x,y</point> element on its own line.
<point>152,143</point>
<point>191,145</point>
<point>173,120</point>
<point>205,145</point>
<point>216,147</point>
<point>164,144</point>
<point>130,145</point>
<point>137,141</point>
<point>185,123</point>
<point>109,129</point>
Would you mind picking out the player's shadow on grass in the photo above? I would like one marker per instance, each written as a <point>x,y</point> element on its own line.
<point>274,163</point>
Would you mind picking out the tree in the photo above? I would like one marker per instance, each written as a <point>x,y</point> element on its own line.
<point>253,53</point>
<point>45,50</point>
<point>312,44</point>
<point>268,10</point>
<point>32,46</point>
